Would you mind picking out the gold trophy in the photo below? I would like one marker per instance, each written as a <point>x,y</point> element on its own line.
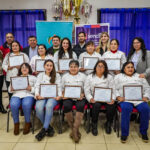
<point>77,4</point>
<point>66,8</point>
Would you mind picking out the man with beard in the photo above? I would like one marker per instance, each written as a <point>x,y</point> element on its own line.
<point>80,47</point>
<point>56,45</point>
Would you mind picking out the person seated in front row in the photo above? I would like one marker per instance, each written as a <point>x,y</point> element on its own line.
<point>90,52</point>
<point>24,98</point>
<point>100,78</point>
<point>45,106</point>
<point>74,78</point>
<point>128,76</point>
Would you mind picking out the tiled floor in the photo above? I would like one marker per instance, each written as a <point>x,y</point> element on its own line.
<point>62,141</point>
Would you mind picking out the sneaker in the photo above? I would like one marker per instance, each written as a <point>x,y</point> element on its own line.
<point>41,134</point>
<point>50,131</point>
<point>123,139</point>
<point>145,138</point>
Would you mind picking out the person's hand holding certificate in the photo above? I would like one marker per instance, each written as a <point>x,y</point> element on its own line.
<point>102,94</point>
<point>63,64</point>
<point>39,65</point>
<point>113,64</point>
<point>16,60</point>
<point>48,90</point>
<point>133,92</point>
<point>73,92</point>
<point>19,83</point>
<point>89,62</point>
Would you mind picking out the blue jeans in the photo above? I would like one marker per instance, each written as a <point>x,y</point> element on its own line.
<point>26,102</point>
<point>127,108</point>
<point>44,111</point>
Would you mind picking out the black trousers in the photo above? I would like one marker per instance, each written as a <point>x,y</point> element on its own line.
<point>9,94</point>
<point>110,111</point>
<point>68,103</point>
<point>1,86</point>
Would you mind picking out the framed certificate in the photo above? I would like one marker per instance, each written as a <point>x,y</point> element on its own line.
<point>39,65</point>
<point>89,62</point>
<point>48,90</point>
<point>113,64</point>
<point>73,92</point>
<point>102,94</point>
<point>133,92</point>
<point>63,64</point>
<point>19,83</point>
<point>16,60</point>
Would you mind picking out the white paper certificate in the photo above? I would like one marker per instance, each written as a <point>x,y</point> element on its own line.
<point>64,64</point>
<point>16,60</point>
<point>113,64</point>
<point>133,92</point>
<point>39,65</point>
<point>89,62</point>
<point>102,94</point>
<point>48,90</point>
<point>73,92</point>
<point>19,83</point>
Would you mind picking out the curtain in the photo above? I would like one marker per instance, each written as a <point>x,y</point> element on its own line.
<point>125,24</point>
<point>21,23</point>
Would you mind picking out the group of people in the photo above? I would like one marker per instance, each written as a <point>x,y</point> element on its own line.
<point>135,70</point>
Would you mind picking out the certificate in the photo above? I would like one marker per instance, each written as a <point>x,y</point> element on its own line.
<point>19,83</point>
<point>89,62</point>
<point>73,92</point>
<point>16,60</point>
<point>63,64</point>
<point>48,90</point>
<point>133,92</point>
<point>102,94</point>
<point>39,65</point>
<point>113,64</point>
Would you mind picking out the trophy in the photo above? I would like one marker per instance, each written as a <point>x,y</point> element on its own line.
<point>77,4</point>
<point>56,9</point>
<point>66,8</point>
<point>86,10</point>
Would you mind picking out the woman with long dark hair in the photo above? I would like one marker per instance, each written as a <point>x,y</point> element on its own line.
<point>100,78</point>
<point>65,51</point>
<point>45,115</point>
<point>128,76</point>
<point>140,56</point>
<point>24,98</point>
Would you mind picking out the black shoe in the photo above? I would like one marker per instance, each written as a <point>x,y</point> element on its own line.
<point>123,139</point>
<point>145,138</point>
<point>108,127</point>
<point>133,117</point>
<point>2,110</point>
<point>50,131</point>
<point>94,129</point>
<point>41,134</point>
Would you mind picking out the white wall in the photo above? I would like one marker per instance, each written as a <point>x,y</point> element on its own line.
<point>47,4</point>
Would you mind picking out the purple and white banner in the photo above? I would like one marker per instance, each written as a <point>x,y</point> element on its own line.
<point>92,31</point>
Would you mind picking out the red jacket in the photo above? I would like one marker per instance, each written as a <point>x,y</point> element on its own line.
<point>5,50</point>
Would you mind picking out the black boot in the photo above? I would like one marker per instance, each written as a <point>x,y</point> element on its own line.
<point>41,134</point>
<point>2,110</point>
<point>94,129</point>
<point>50,131</point>
<point>108,127</point>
